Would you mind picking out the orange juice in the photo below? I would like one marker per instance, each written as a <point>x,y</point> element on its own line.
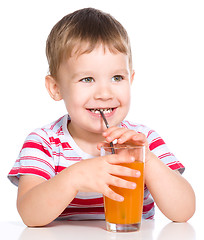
<point>130,210</point>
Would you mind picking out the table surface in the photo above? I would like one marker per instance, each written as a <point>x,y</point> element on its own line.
<point>150,230</point>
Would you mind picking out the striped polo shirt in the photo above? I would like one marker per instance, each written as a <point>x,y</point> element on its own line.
<point>48,150</point>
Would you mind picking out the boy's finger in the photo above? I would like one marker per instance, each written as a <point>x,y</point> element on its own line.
<point>124,171</point>
<point>112,195</point>
<point>119,182</point>
<point>128,135</point>
<point>132,137</point>
<point>110,130</point>
<point>117,133</point>
<point>139,137</point>
<point>117,159</point>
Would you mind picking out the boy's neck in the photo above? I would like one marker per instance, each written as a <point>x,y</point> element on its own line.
<point>87,141</point>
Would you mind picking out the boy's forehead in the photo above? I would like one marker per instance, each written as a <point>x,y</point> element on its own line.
<point>101,53</point>
<point>100,50</point>
<point>95,62</point>
<point>86,48</point>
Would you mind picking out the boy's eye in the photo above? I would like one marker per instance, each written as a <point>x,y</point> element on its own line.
<point>87,80</point>
<point>117,78</point>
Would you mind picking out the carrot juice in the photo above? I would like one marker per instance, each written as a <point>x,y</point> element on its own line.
<point>130,210</point>
<point>126,216</point>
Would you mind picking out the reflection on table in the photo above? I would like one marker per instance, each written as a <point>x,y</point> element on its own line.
<point>150,230</point>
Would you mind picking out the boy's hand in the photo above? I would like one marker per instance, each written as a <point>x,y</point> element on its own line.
<point>127,136</point>
<point>124,135</point>
<point>96,174</point>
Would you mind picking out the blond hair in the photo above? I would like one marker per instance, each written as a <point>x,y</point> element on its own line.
<point>89,26</point>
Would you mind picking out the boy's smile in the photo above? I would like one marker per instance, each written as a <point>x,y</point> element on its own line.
<point>107,111</point>
<point>90,82</point>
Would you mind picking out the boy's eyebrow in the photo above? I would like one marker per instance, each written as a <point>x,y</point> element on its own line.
<point>89,73</point>
<point>82,74</point>
<point>122,71</point>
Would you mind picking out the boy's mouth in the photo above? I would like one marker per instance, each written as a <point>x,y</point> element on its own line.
<point>105,110</point>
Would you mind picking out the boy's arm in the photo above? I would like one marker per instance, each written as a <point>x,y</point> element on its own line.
<point>39,201</point>
<point>173,195</point>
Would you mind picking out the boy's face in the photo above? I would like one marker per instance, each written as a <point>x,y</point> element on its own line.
<point>93,81</point>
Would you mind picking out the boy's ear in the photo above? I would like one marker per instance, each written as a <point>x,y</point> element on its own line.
<point>132,76</point>
<point>52,88</point>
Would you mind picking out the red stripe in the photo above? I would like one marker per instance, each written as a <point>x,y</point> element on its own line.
<point>59,169</point>
<point>59,131</point>
<point>72,211</point>
<point>57,142</point>
<point>151,217</point>
<point>36,159</point>
<point>55,123</point>
<point>14,171</point>
<point>156,144</point>
<point>31,144</point>
<point>96,210</point>
<point>28,170</point>
<point>67,158</point>
<point>145,198</point>
<point>66,146</point>
<point>87,202</point>
<point>123,125</point>
<point>165,155</point>
<point>147,208</point>
<point>150,132</point>
<point>175,165</point>
<point>44,140</point>
<point>132,125</point>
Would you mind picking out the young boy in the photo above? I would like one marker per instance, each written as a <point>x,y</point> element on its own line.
<point>59,171</point>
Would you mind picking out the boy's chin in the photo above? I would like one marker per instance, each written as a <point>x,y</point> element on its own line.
<point>99,130</point>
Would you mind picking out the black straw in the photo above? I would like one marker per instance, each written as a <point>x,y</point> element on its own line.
<point>107,125</point>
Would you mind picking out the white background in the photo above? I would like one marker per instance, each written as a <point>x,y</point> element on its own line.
<point>167,40</point>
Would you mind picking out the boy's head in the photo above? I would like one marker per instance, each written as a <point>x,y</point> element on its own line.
<point>80,32</point>
<point>90,69</point>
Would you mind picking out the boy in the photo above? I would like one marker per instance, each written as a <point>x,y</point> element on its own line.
<point>59,172</point>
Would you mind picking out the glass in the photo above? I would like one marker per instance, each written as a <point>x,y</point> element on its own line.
<point>126,216</point>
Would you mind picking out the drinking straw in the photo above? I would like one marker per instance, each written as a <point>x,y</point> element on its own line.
<point>107,125</point>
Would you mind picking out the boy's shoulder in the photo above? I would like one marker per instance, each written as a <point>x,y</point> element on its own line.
<point>53,129</point>
<point>56,127</point>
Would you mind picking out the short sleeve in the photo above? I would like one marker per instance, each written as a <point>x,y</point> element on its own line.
<point>35,158</point>
<point>160,149</point>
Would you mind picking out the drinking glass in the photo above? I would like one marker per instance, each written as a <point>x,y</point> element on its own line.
<point>126,216</point>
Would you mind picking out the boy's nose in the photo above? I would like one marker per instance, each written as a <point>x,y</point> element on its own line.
<point>103,92</point>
